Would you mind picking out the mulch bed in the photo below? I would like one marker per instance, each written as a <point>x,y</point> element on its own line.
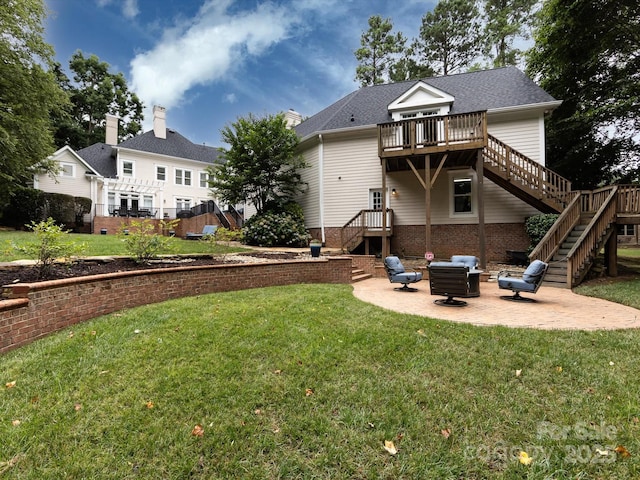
<point>10,274</point>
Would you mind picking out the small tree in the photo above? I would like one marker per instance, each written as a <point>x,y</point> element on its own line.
<point>143,242</point>
<point>261,164</point>
<point>50,245</point>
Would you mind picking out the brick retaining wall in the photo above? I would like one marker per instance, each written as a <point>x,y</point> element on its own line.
<point>33,310</point>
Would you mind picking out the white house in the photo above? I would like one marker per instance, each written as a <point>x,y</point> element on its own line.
<point>157,174</point>
<point>480,136</point>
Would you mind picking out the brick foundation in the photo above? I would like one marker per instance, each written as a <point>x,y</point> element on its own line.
<point>408,240</point>
<point>31,311</point>
<point>193,224</point>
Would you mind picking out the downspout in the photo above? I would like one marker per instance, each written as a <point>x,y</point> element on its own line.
<point>321,186</point>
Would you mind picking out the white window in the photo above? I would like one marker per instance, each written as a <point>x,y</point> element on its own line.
<point>204,179</point>
<point>127,168</point>
<point>183,177</point>
<point>183,204</point>
<point>161,173</point>
<point>147,201</point>
<point>67,170</point>
<point>462,195</point>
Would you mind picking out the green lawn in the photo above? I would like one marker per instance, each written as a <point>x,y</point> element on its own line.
<point>97,245</point>
<point>309,382</point>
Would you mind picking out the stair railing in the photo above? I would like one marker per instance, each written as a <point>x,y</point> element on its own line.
<point>211,207</point>
<point>514,166</point>
<point>628,198</point>
<point>354,230</point>
<point>585,248</point>
<point>561,228</point>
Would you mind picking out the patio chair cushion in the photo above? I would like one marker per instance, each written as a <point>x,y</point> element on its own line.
<point>533,271</point>
<point>470,261</point>
<point>516,284</point>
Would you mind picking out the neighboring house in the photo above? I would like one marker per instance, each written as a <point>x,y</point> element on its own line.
<point>367,153</point>
<point>159,174</point>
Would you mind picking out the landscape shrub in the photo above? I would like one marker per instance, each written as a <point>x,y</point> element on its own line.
<point>284,228</point>
<point>50,244</point>
<point>25,207</point>
<point>537,227</point>
<point>142,240</point>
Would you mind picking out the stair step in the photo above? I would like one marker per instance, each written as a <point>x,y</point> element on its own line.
<point>357,271</point>
<point>546,283</point>
<point>553,278</point>
<point>360,277</point>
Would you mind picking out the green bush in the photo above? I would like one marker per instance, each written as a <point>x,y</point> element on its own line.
<point>50,245</point>
<point>283,228</point>
<point>25,207</point>
<point>142,240</point>
<point>537,227</point>
<point>60,207</point>
<point>29,205</point>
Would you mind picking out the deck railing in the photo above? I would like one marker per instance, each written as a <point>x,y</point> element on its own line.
<point>561,228</point>
<point>365,221</point>
<point>517,167</point>
<point>629,199</point>
<point>587,244</point>
<point>437,133</point>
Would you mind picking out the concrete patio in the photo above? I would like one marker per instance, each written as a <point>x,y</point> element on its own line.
<point>555,308</point>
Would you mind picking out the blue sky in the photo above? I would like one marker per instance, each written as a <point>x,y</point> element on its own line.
<point>211,61</point>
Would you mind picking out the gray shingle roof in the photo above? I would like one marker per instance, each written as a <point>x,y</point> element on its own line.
<point>473,91</point>
<point>99,155</point>
<point>175,145</point>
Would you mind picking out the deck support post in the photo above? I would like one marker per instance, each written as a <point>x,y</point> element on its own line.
<point>385,243</point>
<point>427,203</point>
<point>481,227</point>
<point>611,254</point>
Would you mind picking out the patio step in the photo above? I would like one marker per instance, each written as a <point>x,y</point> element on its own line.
<point>358,275</point>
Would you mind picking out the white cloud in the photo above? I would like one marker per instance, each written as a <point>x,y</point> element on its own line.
<point>204,49</point>
<point>129,7</point>
<point>230,98</point>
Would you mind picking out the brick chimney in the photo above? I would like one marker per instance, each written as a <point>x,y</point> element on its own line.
<point>292,118</point>
<point>159,121</point>
<point>111,130</point>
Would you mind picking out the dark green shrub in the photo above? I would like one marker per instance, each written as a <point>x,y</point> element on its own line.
<point>81,207</point>
<point>24,208</point>
<point>60,207</point>
<point>284,228</point>
<point>537,227</point>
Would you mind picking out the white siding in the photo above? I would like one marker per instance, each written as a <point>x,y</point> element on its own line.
<point>351,168</point>
<point>310,200</point>
<point>145,171</point>
<point>77,186</point>
<point>523,134</point>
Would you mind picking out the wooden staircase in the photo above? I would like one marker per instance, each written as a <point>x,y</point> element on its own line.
<point>531,182</point>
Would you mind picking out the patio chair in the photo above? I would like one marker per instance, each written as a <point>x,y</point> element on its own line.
<point>450,281</point>
<point>530,281</point>
<point>206,230</point>
<point>397,274</point>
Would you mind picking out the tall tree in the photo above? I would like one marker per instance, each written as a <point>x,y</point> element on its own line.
<point>261,164</point>
<point>587,53</point>
<point>376,54</point>
<point>450,36</point>
<point>29,94</point>
<point>407,68</point>
<point>506,21</point>
<point>94,92</point>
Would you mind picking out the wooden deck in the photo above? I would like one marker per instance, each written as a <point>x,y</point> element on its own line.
<point>434,134</point>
